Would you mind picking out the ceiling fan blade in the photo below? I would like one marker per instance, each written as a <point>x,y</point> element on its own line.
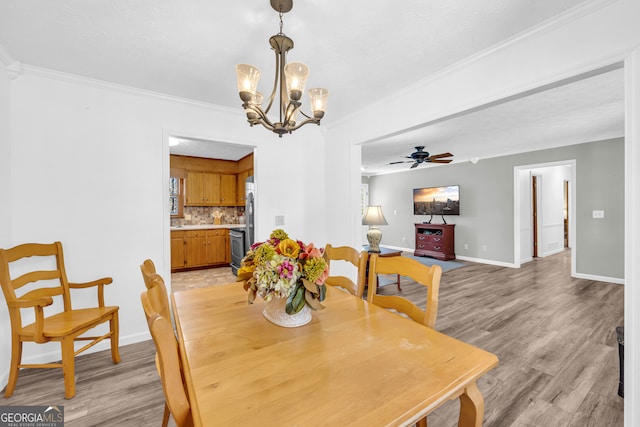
<point>395,163</point>
<point>437,156</point>
<point>441,161</point>
<point>414,165</point>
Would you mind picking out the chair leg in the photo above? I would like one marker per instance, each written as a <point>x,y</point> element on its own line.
<point>165,416</point>
<point>115,352</point>
<point>68,368</point>
<point>16,357</point>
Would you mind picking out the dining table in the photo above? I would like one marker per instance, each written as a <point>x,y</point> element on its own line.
<point>353,364</point>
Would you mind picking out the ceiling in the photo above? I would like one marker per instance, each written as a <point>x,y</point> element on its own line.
<point>188,49</point>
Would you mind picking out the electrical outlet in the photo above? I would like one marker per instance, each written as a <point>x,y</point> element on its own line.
<point>598,214</point>
<point>484,248</point>
<point>404,240</point>
<point>279,219</point>
<point>187,217</point>
<point>466,246</point>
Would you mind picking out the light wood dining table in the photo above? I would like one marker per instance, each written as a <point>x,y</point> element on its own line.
<point>353,364</point>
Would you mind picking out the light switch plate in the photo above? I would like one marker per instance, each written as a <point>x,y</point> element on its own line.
<point>279,219</point>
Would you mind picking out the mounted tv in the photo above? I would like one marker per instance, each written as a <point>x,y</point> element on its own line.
<point>437,200</point>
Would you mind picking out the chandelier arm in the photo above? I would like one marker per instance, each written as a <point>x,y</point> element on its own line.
<point>262,116</point>
<point>305,122</point>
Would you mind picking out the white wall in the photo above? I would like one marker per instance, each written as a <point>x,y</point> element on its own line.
<point>5,154</point>
<point>89,167</point>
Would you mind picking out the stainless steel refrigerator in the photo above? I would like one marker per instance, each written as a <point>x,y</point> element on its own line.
<point>250,188</point>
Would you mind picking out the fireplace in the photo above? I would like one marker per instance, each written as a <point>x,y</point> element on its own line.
<point>236,242</point>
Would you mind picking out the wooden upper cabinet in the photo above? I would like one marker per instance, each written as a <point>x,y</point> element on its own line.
<point>228,190</point>
<point>202,189</point>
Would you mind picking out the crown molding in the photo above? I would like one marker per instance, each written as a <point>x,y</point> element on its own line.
<point>12,67</point>
<point>130,90</point>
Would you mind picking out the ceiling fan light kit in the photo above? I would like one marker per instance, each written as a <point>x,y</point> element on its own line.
<point>420,156</point>
<point>288,86</point>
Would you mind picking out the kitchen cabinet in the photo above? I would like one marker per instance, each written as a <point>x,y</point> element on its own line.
<point>200,248</point>
<point>177,250</point>
<point>228,189</point>
<point>202,189</point>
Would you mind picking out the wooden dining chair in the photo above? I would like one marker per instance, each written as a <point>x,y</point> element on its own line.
<point>157,289</point>
<point>148,269</point>
<point>168,364</point>
<point>36,289</point>
<point>357,259</point>
<point>428,276</point>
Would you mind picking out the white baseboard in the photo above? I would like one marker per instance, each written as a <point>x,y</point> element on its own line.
<point>598,278</point>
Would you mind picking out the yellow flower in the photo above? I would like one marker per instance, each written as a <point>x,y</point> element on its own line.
<point>245,272</point>
<point>289,248</point>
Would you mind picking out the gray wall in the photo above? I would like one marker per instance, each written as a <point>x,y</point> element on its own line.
<point>487,204</point>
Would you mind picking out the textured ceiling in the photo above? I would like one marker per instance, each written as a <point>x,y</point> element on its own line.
<point>358,51</point>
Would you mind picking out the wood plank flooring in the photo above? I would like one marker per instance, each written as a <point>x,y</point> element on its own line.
<point>554,336</point>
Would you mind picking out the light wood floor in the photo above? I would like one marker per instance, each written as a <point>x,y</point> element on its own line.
<point>554,336</point>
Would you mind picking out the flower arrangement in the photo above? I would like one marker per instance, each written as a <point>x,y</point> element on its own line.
<point>285,268</point>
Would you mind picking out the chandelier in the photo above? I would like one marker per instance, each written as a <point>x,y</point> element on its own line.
<point>287,87</point>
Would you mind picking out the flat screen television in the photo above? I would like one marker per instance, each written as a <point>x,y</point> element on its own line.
<point>437,200</point>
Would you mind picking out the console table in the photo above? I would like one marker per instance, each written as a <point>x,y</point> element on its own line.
<point>435,240</point>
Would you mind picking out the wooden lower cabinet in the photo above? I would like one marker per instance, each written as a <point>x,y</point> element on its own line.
<point>201,248</point>
<point>177,250</point>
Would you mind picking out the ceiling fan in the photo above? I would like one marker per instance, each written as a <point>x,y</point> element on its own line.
<point>421,156</point>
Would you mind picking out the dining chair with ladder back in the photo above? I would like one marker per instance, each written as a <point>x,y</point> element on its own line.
<point>421,274</point>
<point>41,280</point>
<point>148,269</point>
<point>159,300</point>
<point>158,290</point>
<point>168,364</point>
<point>428,276</point>
<point>357,259</point>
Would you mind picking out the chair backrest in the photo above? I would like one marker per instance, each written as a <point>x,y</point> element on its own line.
<point>148,269</point>
<point>428,276</point>
<point>351,255</point>
<point>157,294</point>
<point>169,366</point>
<point>53,279</point>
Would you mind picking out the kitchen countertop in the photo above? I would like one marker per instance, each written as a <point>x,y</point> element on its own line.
<point>206,226</point>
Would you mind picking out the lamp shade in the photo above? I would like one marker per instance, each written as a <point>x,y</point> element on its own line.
<point>318,98</point>
<point>296,74</point>
<point>373,216</point>
<point>248,77</point>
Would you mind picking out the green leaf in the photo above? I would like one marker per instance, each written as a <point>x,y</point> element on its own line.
<point>298,300</point>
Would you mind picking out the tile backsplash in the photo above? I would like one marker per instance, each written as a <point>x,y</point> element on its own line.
<point>204,215</point>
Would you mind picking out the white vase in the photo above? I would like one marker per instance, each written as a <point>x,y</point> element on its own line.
<point>274,311</point>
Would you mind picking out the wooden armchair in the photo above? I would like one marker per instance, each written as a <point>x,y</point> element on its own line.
<point>168,364</point>
<point>65,327</point>
<point>422,274</point>
<point>358,259</point>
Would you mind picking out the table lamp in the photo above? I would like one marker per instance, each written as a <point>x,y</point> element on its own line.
<point>373,217</point>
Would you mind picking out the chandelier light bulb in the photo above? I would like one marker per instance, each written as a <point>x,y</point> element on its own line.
<point>296,74</point>
<point>318,100</point>
<point>248,78</point>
